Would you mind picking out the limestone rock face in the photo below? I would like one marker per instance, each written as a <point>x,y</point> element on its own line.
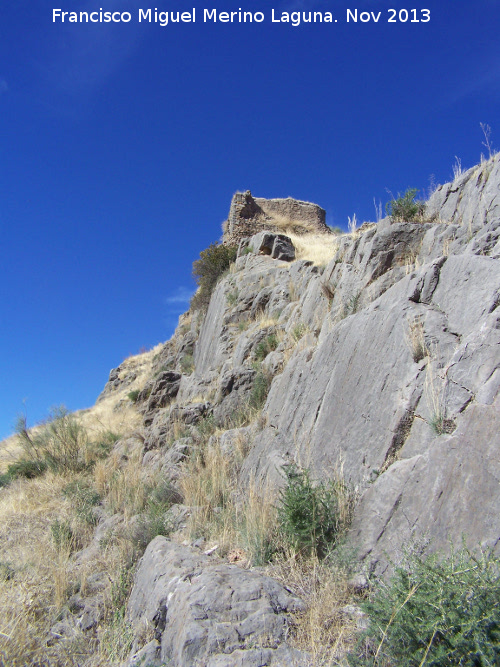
<point>401,351</point>
<point>277,246</point>
<point>207,612</point>
<point>382,364</point>
<point>472,199</point>
<point>249,215</point>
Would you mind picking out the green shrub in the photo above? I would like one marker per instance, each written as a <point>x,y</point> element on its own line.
<point>299,331</point>
<point>156,519</point>
<point>260,389</point>
<point>60,443</point>
<point>7,572</point>
<point>102,446</point>
<point>265,346</point>
<point>308,513</point>
<point>26,468</point>
<point>232,297</point>
<point>352,304</point>
<point>213,263</point>
<point>5,479</point>
<point>133,395</point>
<point>405,208</point>
<point>187,364</point>
<point>435,612</point>
<point>335,230</point>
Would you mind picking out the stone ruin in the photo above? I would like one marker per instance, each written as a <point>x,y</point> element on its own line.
<point>249,215</point>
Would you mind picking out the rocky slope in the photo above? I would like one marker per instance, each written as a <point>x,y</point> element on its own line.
<point>370,358</point>
<point>382,365</point>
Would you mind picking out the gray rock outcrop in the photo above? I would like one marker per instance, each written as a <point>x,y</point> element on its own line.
<point>382,365</point>
<point>401,350</point>
<point>209,613</point>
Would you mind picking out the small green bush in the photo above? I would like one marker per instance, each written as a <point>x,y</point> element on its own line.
<point>308,513</point>
<point>101,447</point>
<point>213,263</point>
<point>232,297</point>
<point>299,331</point>
<point>5,479</point>
<point>60,443</point>
<point>352,304</point>
<point>133,395</point>
<point>187,364</point>
<point>405,208</point>
<point>260,389</point>
<point>156,519</point>
<point>435,612</point>
<point>7,572</point>
<point>26,468</point>
<point>265,346</point>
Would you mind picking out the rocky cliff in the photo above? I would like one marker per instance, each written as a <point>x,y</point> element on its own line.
<point>369,360</point>
<point>382,364</point>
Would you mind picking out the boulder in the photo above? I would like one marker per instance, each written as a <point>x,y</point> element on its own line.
<point>206,612</point>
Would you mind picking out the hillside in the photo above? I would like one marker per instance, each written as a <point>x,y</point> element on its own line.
<point>356,373</point>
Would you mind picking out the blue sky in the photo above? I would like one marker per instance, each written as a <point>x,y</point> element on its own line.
<point>122,144</point>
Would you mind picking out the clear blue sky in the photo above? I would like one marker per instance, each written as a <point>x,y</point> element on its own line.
<point>122,144</point>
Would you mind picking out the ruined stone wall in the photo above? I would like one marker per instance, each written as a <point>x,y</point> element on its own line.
<point>249,215</point>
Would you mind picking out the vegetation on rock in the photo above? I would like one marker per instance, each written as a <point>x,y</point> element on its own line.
<point>199,457</point>
<point>311,516</point>
<point>435,611</point>
<point>405,208</point>
<point>212,264</point>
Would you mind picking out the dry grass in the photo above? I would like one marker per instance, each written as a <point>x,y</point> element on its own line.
<point>208,484</point>
<point>10,451</point>
<point>42,573</point>
<point>122,483</point>
<point>435,400</point>
<point>41,527</point>
<point>318,248</point>
<point>257,524</point>
<point>411,262</point>
<point>415,339</point>
<point>263,321</point>
<point>327,629</point>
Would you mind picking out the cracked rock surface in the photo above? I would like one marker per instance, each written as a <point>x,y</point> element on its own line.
<point>209,613</point>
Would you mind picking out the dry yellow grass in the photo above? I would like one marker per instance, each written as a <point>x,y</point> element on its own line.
<point>122,482</point>
<point>208,483</point>
<point>41,571</point>
<point>318,248</point>
<point>10,451</point>
<point>38,573</point>
<point>415,339</point>
<point>327,629</point>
